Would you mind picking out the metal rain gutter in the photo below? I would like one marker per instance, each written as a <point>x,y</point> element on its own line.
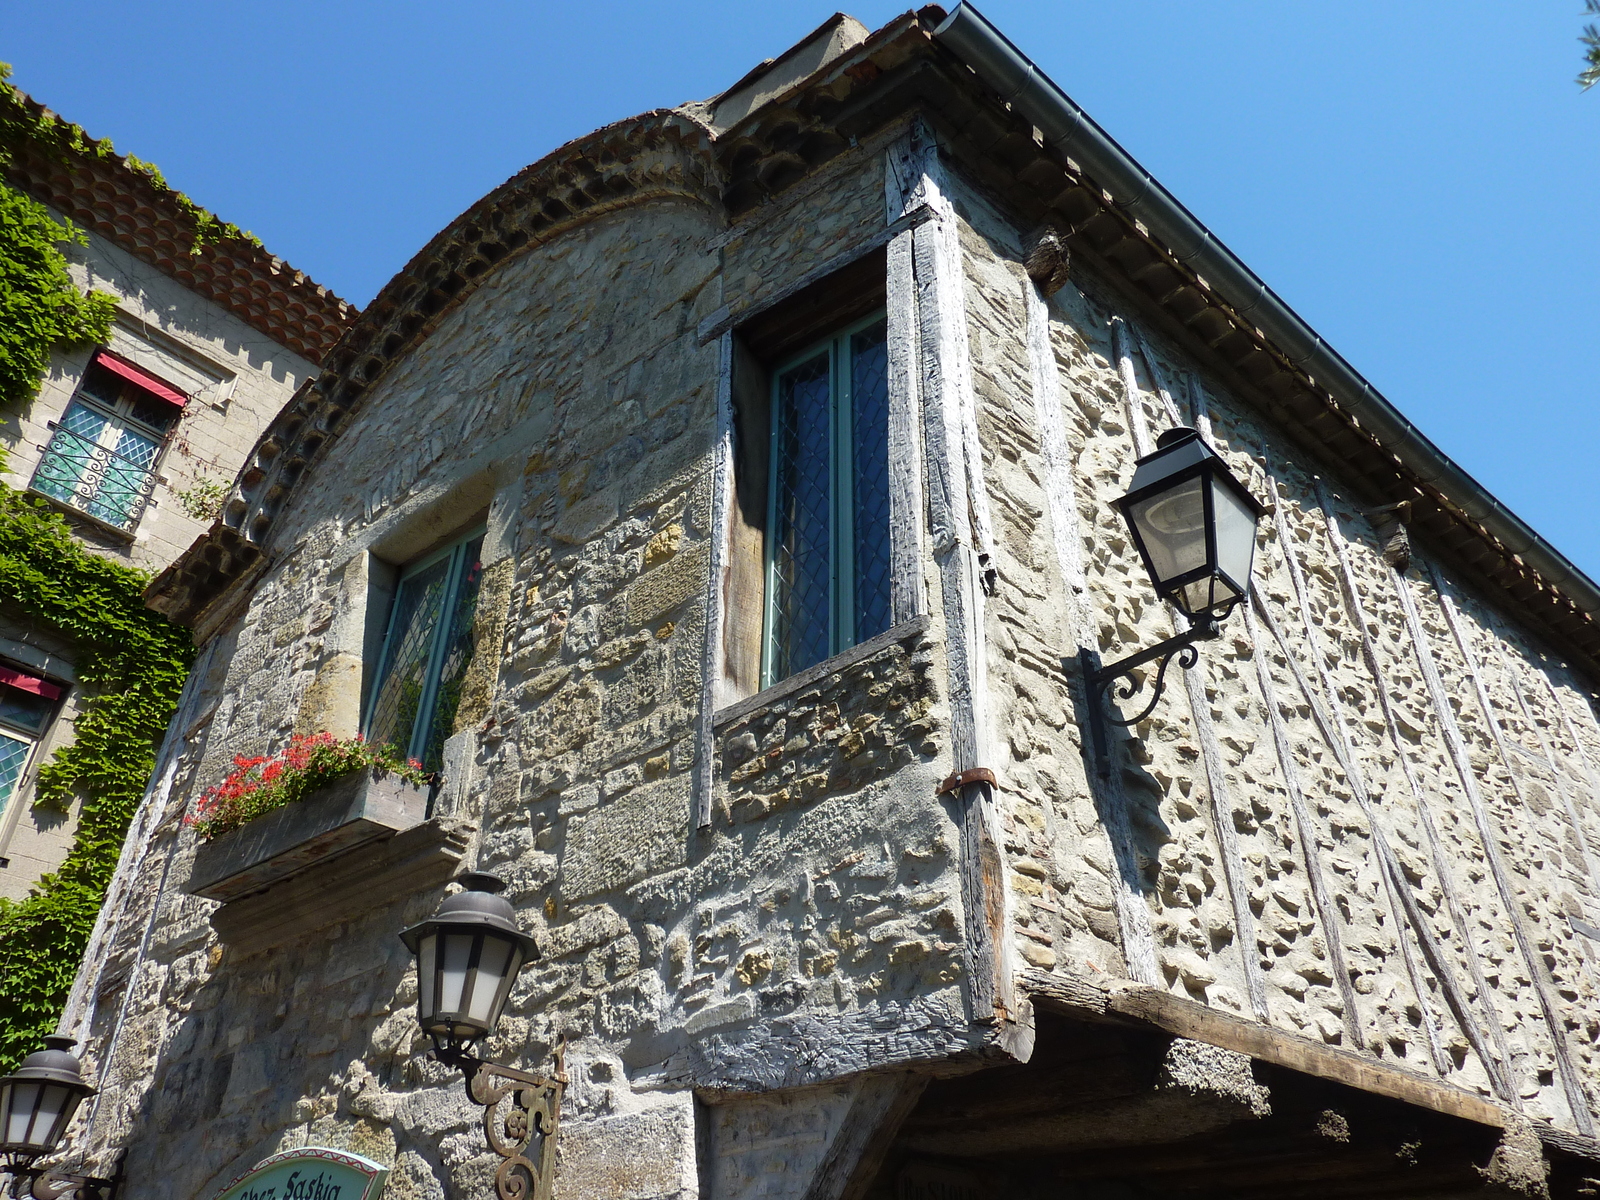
<point>1072,132</point>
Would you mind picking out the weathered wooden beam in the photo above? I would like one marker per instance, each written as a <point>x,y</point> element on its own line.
<point>720,533</point>
<point>1190,1019</point>
<point>907,596</point>
<point>958,520</point>
<point>1510,903</point>
<point>1399,885</point>
<point>1223,828</point>
<point>1111,800</point>
<point>879,1108</point>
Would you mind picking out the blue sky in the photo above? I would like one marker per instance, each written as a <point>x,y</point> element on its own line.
<point>1421,182</point>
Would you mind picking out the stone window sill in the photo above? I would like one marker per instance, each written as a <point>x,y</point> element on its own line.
<point>801,680</point>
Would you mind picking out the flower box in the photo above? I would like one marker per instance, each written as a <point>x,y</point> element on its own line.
<point>353,811</point>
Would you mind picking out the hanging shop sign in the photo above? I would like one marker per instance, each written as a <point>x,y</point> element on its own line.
<point>309,1173</point>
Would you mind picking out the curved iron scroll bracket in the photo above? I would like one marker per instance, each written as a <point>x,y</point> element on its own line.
<point>1098,680</point>
<point>31,1183</point>
<point>521,1118</point>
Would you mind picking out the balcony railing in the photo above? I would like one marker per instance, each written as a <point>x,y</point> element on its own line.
<point>92,479</point>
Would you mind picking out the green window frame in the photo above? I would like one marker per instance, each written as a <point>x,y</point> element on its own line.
<point>427,648</point>
<point>828,510</point>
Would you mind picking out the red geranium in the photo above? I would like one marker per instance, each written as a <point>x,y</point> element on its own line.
<point>265,782</point>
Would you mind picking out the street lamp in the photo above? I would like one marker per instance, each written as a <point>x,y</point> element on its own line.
<point>1194,524</point>
<point>37,1104</point>
<point>468,956</point>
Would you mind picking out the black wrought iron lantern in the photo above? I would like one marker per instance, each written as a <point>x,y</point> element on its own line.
<point>1194,524</point>
<point>38,1102</point>
<point>468,956</point>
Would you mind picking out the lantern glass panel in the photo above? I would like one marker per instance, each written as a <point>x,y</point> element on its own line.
<point>1236,536</point>
<point>1172,527</point>
<point>453,976</point>
<point>492,962</point>
<point>16,1105</point>
<point>36,1112</point>
<point>427,980</point>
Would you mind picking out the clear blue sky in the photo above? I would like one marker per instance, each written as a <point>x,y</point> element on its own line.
<point>1420,181</point>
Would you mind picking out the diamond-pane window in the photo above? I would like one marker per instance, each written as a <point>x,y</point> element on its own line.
<point>13,757</point>
<point>426,652</point>
<point>102,456</point>
<point>828,526</point>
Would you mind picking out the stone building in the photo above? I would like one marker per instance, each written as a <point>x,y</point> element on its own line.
<point>208,344</point>
<point>742,475</point>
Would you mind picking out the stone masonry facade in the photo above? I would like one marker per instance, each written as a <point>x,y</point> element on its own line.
<point>1366,820</point>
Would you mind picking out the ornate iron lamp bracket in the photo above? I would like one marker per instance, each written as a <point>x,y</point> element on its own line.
<point>29,1183</point>
<point>1098,680</point>
<point>521,1116</point>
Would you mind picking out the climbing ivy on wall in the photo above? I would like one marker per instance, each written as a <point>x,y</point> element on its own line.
<point>132,663</point>
<point>130,660</point>
<point>40,309</point>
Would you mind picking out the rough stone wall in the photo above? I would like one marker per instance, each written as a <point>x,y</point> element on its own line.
<point>1215,832</point>
<point>820,219</point>
<point>812,932</point>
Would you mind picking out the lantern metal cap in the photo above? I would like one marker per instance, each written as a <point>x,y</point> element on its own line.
<point>1179,450</point>
<point>54,1064</point>
<point>479,903</point>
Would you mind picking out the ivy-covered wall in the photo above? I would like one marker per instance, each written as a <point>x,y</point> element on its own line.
<point>131,661</point>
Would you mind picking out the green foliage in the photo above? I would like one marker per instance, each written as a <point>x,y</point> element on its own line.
<point>1590,75</point>
<point>204,500</point>
<point>132,663</point>
<point>40,309</point>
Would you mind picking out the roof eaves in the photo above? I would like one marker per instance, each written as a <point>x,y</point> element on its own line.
<point>138,212</point>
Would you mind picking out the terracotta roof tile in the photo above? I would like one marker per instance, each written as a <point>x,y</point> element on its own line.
<point>126,206</point>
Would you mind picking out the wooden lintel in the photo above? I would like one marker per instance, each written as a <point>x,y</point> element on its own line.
<point>1091,1000</point>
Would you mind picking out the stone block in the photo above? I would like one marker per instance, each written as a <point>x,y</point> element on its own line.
<point>657,593</point>
<point>648,1155</point>
<point>640,833</point>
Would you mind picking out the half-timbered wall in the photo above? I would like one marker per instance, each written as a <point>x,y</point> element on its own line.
<point>1366,817</point>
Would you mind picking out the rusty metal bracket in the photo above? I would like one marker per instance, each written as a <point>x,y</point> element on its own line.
<point>961,778</point>
<point>525,1134</point>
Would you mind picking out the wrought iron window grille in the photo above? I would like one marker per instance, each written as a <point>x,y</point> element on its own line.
<point>84,475</point>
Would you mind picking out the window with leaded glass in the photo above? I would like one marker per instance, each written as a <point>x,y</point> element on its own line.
<point>102,454</point>
<point>828,516</point>
<point>27,704</point>
<point>426,652</point>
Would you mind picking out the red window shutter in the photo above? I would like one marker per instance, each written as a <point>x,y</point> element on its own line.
<point>25,682</point>
<point>140,377</point>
